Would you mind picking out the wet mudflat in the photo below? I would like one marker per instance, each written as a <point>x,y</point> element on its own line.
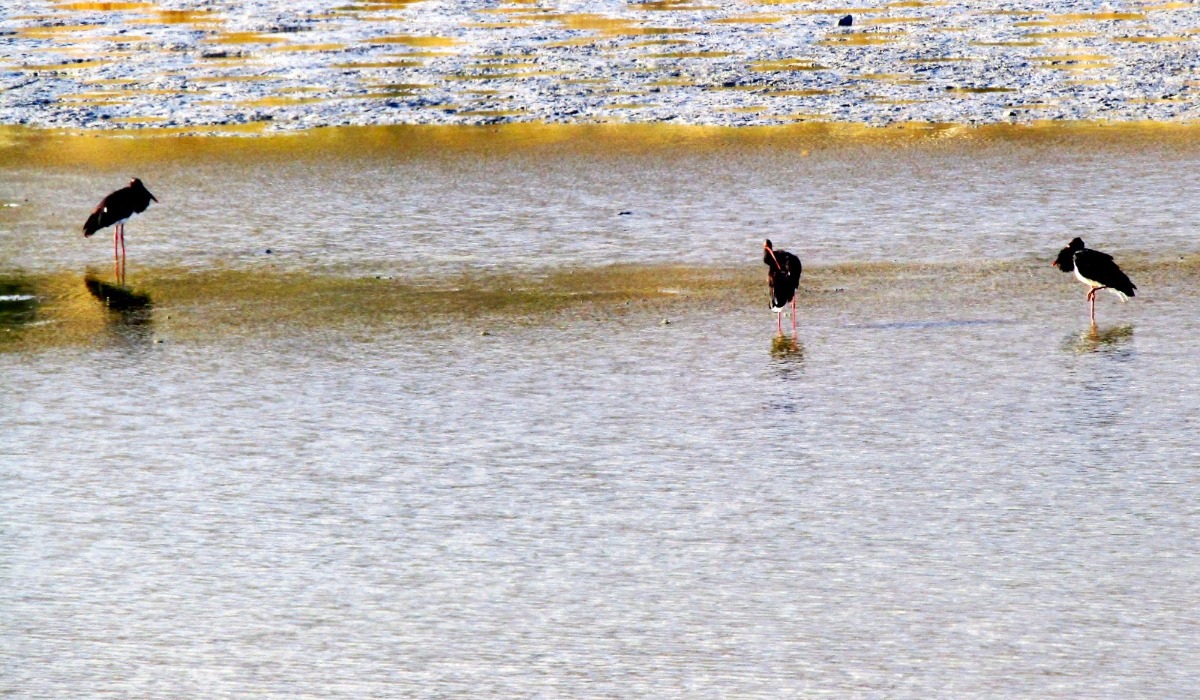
<point>325,481</point>
<point>269,65</point>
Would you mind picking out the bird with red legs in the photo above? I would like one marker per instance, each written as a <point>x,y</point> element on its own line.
<point>114,210</point>
<point>1095,269</point>
<point>783,277</point>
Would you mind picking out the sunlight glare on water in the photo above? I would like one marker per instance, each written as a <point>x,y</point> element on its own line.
<point>962,494</point>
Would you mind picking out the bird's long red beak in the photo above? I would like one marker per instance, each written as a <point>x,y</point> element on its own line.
<point>153,197</point>
<point>772,255</point>
<point>1054,264</point>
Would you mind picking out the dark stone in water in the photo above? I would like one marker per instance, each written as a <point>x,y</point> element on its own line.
<point>625,213</point>
<point>846,21</point>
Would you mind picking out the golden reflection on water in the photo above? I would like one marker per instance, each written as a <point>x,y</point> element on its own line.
<point>788,348</point>
<point>56,309</point>
<point>1095,340</point>
<point>120,150</point>
<point>47,310</point>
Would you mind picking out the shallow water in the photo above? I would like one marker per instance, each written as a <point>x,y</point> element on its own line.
<point>945,485</point>
<point>425,202</point>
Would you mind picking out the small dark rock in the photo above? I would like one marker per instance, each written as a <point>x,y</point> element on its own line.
<point>846,21</point>
<point>267,251</point>
<point>625,213</point>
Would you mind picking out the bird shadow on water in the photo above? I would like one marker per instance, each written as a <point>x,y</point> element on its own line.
<point>1117,340</point>
<point>129,313</point>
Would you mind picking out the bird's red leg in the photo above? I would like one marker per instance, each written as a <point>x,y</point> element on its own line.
<point>123,259</point>
<point>779,323</point>
<point>1092,299</point>
<point>793,315</point>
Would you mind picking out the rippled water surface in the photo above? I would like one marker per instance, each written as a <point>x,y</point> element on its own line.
<point>945,485</point>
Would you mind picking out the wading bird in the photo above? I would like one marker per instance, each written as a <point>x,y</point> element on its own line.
<point>1095,269</point>
<point>783,276</point>
<point>115,210</point>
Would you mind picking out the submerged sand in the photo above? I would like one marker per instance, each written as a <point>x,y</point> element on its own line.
<point>276,65</point>
<point>42,310</point>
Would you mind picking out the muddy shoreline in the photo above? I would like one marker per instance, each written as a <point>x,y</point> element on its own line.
<point>194,67</point>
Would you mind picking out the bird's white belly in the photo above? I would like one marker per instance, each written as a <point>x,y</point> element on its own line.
<point>1088,282</point>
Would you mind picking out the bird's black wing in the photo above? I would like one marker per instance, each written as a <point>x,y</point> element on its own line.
<point>785,280</point>
<point>1100,267</point>
<point>113,208</point>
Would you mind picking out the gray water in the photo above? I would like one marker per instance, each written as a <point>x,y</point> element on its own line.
<point>967,497</point>
<point>371,209</point>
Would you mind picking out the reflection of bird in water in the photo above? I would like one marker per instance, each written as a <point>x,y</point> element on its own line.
<point>129,312</point>
<point>115,210</point>
<point>116,298</point>
<point>1096,340</point>
<point>783,277</point>
<point>787,347</point>
<point>1095,269</point>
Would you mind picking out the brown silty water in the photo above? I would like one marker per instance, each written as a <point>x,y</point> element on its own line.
<point>503,413</point>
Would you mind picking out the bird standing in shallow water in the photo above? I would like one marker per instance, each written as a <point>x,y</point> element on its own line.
<point>1095,269</point>
<point>783,276</point>
<point>115,210</point>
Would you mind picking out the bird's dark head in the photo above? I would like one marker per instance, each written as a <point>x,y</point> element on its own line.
<point>1066,257</point>
<point>137,186</point>
<point>769,255</point>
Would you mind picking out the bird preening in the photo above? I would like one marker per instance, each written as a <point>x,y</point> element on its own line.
<point>783,277</point>
<point>1095,269</point>
<point>114,210</point>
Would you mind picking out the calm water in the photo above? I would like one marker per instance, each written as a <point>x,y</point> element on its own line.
<point>966,496</point>
<point>454,206</point>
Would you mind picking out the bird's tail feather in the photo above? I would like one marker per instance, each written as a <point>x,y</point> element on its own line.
<point>92,224</point>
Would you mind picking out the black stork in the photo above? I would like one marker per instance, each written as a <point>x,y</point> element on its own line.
<point>783,276</point>
<point>1095,269</point>
<point>115,210</point>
